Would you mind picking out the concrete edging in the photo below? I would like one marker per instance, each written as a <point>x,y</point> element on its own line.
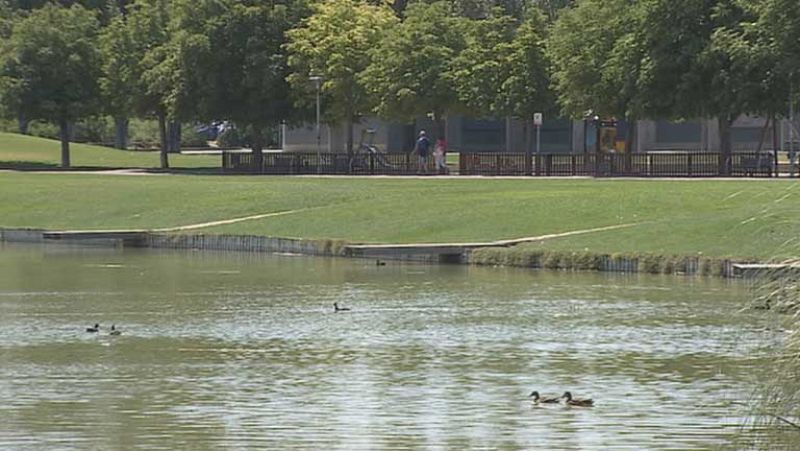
<point>456,254</point>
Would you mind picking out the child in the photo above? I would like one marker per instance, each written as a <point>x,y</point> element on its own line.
<point>440,156</point>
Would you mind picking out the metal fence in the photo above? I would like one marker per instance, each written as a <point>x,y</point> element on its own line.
<point>650,164</point>
<point>297,163</point>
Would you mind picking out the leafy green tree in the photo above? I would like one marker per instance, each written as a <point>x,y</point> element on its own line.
<point>241,64</point>
<point>335,43</point>
<point>687,74</point>
<point>779,24</point>
<point>503,71</point>
<point>410,71</point>
<point>153,65</point>
<point>121,75</point>
<point>51,67</point>
<point>596,59</point>
<point>552,8</point>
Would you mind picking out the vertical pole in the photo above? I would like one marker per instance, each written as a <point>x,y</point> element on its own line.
<point>319,131</point>
<point>528,156</point>
<point>792,155</point>
<point>538,140</point>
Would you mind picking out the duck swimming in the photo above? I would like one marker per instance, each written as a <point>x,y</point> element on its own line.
<point>576,401</point>
<point>114,331</point>
<point>336,308</point>
<point>539,400</point>
<point>94,329</point>
<point>380,263</point>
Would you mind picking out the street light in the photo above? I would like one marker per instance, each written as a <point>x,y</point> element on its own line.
<point>318,84</point>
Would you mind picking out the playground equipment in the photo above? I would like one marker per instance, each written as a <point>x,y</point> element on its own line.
<point>367,152</point>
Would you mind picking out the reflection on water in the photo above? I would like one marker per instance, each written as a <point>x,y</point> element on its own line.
<point>241,351</point>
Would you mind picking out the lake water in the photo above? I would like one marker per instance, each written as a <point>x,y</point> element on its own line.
<point>241,351</point>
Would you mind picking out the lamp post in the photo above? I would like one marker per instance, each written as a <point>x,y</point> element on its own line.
<point>318,84</point>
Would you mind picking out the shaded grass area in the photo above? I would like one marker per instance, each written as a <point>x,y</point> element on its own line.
<point>713,217</point>
<point>39,153</point>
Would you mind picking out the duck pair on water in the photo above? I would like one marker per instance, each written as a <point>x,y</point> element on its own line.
<point>568,400</point>
<point>96,329</point>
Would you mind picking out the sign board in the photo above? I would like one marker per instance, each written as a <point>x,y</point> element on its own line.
<point>537,119</point>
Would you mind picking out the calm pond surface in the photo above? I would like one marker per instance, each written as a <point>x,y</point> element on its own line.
<point>241,351</point>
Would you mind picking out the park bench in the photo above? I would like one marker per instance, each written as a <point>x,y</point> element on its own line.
<point>757,165</point>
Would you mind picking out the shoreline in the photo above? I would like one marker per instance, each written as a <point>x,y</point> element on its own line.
<point>483,254</point>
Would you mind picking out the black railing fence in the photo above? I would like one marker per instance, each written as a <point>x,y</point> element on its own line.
<point>650,164</point>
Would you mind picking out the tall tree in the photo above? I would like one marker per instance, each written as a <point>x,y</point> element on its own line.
<point>596,59</point>
<point>503,71</point>
<point>410,71</point>
<point>241,67</point>
<point>51,67</point>
<point>156,67</point>
<point>338,57</point>
<point>120,82</point>
<point>779,22</point>
<point>686,74</point>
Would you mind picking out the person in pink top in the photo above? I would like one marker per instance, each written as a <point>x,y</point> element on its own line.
<point>440,156</point>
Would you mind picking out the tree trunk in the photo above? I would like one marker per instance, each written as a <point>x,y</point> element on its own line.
<point>509,148</point>
<point>630,139</point>
<point>762,136</point>
<point>121,133</point>
<point>775,142</point>
<point>725,149</point>
<point>257,147</point>
<point>162,132</point>
<point>528,153</point>
<point>22,124</point>
<point>441,125</point>
<point>64,134</point>
<point>349,124</point>
<point>174,136</point>
<point>630,136</point>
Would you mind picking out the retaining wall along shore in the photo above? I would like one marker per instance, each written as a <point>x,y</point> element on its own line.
<point>461,254</point>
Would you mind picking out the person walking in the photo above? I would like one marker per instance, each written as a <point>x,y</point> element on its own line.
<point>440,156</point>
<point>422,149</point>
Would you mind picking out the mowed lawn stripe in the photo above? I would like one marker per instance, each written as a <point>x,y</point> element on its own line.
<point>716,217</point>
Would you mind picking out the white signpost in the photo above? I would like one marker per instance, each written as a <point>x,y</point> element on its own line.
<point>537,122</point>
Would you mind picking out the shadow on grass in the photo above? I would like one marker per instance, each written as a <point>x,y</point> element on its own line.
<point>35,166</point>
<point>28,166</point>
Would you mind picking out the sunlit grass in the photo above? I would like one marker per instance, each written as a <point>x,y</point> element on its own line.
<point>712,217</point>
<point>30,151</point>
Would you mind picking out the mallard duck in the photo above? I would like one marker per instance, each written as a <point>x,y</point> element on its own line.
<point>336,308</point>
<point>539,400</point>
<point>94,329</point>
<point>570,401</point>
<point>380,263</point>
<point>114,330</point>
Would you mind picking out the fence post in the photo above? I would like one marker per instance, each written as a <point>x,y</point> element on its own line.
<point>497,164</point>
<point>528,162</point>
<point>689,163</point>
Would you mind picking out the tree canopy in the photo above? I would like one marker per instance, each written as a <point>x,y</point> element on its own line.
<point>410,71</point>
<point>50,68</point>
<point>249,61</point>
<point>339,58</point>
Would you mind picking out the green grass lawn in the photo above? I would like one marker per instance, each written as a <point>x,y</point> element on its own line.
<point>22,150</point>
<point>759,218</point>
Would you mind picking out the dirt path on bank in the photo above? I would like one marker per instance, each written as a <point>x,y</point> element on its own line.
<point>203,225</point>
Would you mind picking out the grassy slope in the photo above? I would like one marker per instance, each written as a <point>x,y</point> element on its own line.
<point>737,218</point>
<point>28,150</point>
